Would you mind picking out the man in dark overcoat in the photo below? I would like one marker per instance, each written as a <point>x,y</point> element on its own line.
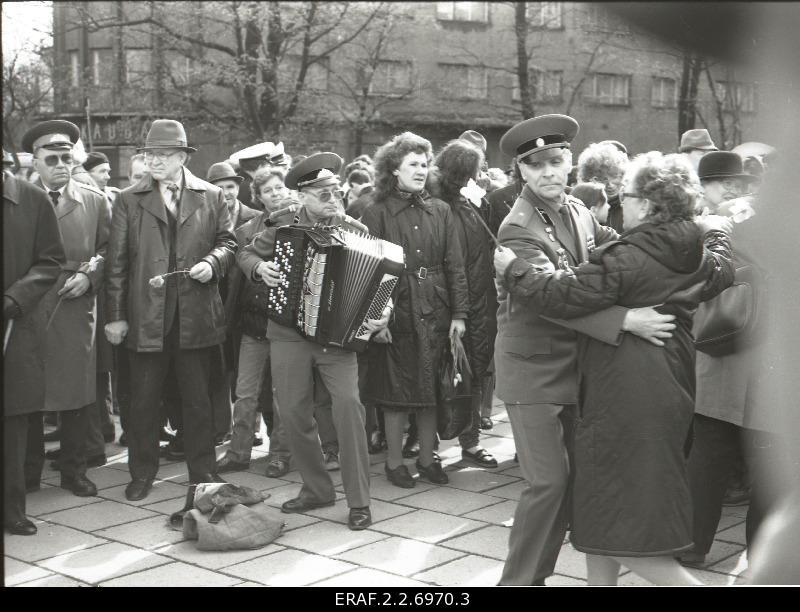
<point>171,242</point>
<point>33,256</point>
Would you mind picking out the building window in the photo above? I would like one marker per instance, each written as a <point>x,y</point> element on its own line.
<point>102,73</point>
<point>597,17</point>
<point>391,78</point>
<point>612,89</point>
<point>316,78</point>
<point>462,81</point>
<point>463,11</point>
<point>736,96</point>
<point>74,69</point>
<point>180,68</point>
<point>546,86</point>
<point>138,72</point>
<point>545,15</point>
<point>664,93</point>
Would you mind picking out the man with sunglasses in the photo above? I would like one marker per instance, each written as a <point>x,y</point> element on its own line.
<point>171,242</point>
<point>293,358</point>
<point>535,358</point>
<point>84,217</point>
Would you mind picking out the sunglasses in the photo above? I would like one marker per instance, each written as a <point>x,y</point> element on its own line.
<point>326,196</point>
<point>52,160</point>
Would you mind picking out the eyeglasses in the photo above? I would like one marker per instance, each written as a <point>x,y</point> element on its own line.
<point>325,196</point>
<point>52,160</point>
<point>159,155</point>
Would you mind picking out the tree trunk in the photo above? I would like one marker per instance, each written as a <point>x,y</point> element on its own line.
<point>719,108</point>
<point>687,102</point>
<point>521,32</point>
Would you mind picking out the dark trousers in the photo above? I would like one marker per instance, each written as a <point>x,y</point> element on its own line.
<point>74,436</point>
<point>147,374</point>
<point>714,451</point>
<point>101,423</point>
<point>121,380</point>
<point>23,438</point>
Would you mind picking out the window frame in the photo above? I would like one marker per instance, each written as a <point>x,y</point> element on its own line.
<point>394,92</point>
<point>536,73</point>
<point>594,98</point>
<point>663,102</point>
<point>451,16</point>
<point>541,23</point>
<point>449,94</point>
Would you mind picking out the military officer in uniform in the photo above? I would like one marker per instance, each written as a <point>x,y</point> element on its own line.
<point>535,358</point>
<point>294,358</point>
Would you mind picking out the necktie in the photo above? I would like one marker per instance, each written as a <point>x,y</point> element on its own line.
<point>567,218</point>
<point>54,195</point>
<point>172,205</point>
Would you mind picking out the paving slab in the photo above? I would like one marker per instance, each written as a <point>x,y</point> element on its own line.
<point>380,511</point>
<point>401,556</point>
<point>104,562</point>
<point>478,480</point>
<point>363,576</point>
<point>498,514</point>
<point>559,580</point>
<point>735,534</point>
<point>188,553</point>
<point>499,428</point>
<point>101,515</point>
<point>289,568</point>
<point>54,580</point>
<point>103,477</point>
<point>17,572</point>
<point>733,565</point>
<point>173,574</point>
<point>499,446</point>
<point>257,481</point>
<point>427,526</point>
<point>449,500</point>
<point>54,499</point>
<point>381,488</point>
<point>509,491</point>
<point>571,562</point>
<point>491,541</point>
<point>149,534</point>
<point>468,571</point>
<point>51,540</point>
<point>328,539</point>
<point>161,491</point>
<point>513,470</point>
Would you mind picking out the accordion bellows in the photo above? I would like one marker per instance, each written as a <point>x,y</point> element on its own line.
<point>332,281</point>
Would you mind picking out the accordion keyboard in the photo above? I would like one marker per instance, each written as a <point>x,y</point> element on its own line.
<point>379,302</point>
<point>278,296</point>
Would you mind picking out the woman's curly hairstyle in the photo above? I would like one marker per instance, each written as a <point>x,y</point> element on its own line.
<point>263,176</point>
<point>602,163</point>
<point>668,181</point>
<point>455,164</point>
<point>389,156</point>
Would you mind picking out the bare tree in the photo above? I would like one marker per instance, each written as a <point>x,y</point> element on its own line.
<point>692,66</point>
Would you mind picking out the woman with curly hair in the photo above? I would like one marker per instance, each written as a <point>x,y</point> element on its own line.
<point>269,190</point>
<point>457,163</point>
<point>431,301</point>
<point>605,163</point>
<point>631,499</point>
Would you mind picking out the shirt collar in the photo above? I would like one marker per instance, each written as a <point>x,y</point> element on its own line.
<point>397,203</point>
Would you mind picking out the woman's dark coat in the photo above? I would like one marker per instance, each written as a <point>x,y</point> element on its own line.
<point>631,494</point>
<point>404,373</point>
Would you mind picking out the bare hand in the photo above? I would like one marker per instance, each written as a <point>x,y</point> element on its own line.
<point>714,222</point>
<point>116,331</point>
<point>374,325</point>
<point>457,326</point>
<point>269,272</point>
<point>384,336</point>
<point>649,324</point>
<point>202,272</point>
<point>502,259</point>
<point>76,286</point>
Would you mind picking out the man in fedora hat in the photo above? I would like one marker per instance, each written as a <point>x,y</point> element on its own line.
<point>171,243</point>
<point>294,358</point>
<point>84,217</point>
<point>535,357</point>
<point>695,144</point>
<point>723,179</point>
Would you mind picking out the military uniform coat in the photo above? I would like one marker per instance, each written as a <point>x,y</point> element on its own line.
<point>535,358</point>
<point>84,219</point>
<point>32,259</point>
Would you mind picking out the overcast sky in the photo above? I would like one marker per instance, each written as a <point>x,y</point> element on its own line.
<point>25,25</point>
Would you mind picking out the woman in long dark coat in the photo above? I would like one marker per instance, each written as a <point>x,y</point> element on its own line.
<point>430,301</point>
<point>457,163</point>
<point>631,500</point>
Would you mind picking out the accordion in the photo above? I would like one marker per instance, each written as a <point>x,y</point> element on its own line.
<point>332,281</point>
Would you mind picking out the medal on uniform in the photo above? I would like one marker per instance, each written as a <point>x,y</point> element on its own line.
<point>549,231</point>
<point>563,262</point>
<point>590,245</point>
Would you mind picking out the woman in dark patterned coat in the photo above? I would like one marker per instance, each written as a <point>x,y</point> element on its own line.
<point>431,301</point>
<point>631,500</point>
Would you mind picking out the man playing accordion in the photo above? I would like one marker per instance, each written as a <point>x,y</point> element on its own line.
<point>293,357</point>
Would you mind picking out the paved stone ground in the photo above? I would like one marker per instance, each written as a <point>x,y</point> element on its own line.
<point>455,535</point>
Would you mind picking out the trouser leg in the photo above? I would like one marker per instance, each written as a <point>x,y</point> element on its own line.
<point>193,368</point>
<point>147,374</point>
<point>339,371</point>
<point>15,440</point>
<point>540,520</point>
<point>122,391</point>
<point>253,359</point>
<point>74,436</point>
<point>323,414</point>
<point>34,449</point>
<point>487,395</point>
<point>98,418</point>
<point>471,437</point>
<point>278,439</point>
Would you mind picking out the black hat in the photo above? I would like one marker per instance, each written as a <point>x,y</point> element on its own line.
<point>53,134</point>
<point>721,165</point>
<point>538,134</point>
<point>318,170</point>
<point>95,159</point>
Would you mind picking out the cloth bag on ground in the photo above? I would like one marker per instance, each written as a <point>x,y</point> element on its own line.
<point>454,410</point>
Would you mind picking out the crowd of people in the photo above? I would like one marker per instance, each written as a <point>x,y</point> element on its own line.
<point>573,289</point>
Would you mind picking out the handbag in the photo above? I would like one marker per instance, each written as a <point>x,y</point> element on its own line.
<point>454,408</point>
<point>726,323</point>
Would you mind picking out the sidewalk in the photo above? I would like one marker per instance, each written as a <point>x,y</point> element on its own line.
<point>455,535</point>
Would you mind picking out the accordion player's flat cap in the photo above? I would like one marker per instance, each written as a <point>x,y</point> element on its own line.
<point>318,170</point>
<point>539,134</point>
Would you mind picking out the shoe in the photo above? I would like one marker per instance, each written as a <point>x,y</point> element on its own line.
<point>486,423</point>
<point>174,450</point>
<point>480,457</point>
<point>208,477</point>
<point>54,453</point>
<point>692,558</point>
<point>220,439</point>
<point>229,465</point>
<point>95,461</point>
<point>376,442</point>
<point>360,518</point>
<point>165,436</point>
<point>298,504</point>
<point>32,487</point>
<point>331,461</point>
<point>108,438</point>
<point>23,527</point>
<point>277,468</point>
<point>123,439</point>
<point>436,457</point>
<point>736,497</point>
<point>257,440</point>
<point>433,472</point>
<point>400,477</point>
<point>53,436</point>
<point>411,448</point>
<point>80,486</point>
<point>137,489</point>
